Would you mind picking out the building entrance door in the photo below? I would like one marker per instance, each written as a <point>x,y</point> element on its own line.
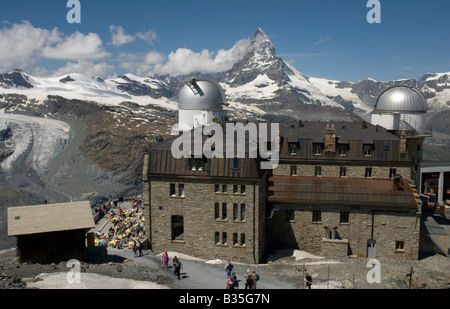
<point>371,248</point>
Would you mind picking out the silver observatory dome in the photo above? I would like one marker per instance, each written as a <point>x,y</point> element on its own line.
<point>201,93</point>
<point>401,99</point>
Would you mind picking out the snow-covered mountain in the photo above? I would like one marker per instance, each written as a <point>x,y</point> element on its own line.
<point>259,84</point>
<point>126,88</point>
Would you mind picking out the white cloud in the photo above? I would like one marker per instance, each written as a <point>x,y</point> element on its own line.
<point>185,61</point>
<point>141,65</point>
<point>119,37</point>
<point>148,36</point>
<point>22,46</point>
<point>77,47</point>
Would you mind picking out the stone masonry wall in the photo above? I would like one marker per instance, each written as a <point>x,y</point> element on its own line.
<point>334,170</point>
<point>388,228</point>
<point>197,207</point>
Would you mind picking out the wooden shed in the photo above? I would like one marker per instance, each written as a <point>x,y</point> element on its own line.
<point>50,233</point>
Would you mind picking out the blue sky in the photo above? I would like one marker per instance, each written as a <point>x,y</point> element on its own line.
<point>321,38</point>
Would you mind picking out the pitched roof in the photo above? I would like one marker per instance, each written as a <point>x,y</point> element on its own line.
<point>36,219</point>
<point>340,191</point>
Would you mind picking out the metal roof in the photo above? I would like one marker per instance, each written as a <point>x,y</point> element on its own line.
<point>201,93</point>
<point>340,191</point>
<point>24,220</point>
<point>401,99</point>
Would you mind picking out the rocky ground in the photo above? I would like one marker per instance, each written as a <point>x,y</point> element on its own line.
<point>285,271</point>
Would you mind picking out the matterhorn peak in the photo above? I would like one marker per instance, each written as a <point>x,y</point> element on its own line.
<point>260,35</point>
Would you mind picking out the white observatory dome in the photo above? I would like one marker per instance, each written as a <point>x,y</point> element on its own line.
<point>200,93</point>
<point>201,101</point>
<point>401,108</point>
<point>401,99</point>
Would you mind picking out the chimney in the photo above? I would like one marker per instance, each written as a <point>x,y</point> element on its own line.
<point>330,138</point>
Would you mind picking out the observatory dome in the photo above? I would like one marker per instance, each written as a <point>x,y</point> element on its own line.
<point>401,99</point>
<point>201,93</point>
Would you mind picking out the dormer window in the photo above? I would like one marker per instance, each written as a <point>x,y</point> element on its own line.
<point>368,150</point>
<point>196,164</point>
<point>293,149</point>
<point>343,150</point>
<point>317,148</point>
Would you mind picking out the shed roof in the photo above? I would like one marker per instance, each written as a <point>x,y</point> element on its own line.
<point>46,218</point>
<point>340,191</point>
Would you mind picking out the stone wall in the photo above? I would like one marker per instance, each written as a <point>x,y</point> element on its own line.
<point>198,209</point>
<point>381,172</point>
<point>388,228</point>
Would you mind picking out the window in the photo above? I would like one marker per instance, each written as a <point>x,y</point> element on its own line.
<point>235,211</point>
<point>318,170</point>
<point>242,189</point>
<point>217,238</point>
<point>235,239</point>
<point>242,239</point>
<point>196,164</point>
<point>242,212</point>
<point>235,189</point>
<point>342,150</point>
<point>224,238</point>
<point>216,188</point>
<point>216,211</point>
<point>293,170</point>
<point>368,173</point>
<point>317,216</point>
<point>293,148</point>
<point>317,149</point>
<point>289,214</point>
<point>177,228</point>
<point>181,189</point>
<point>344,217</point>
<point>224,188</point>
<point>342,171</point>
<point>172,189</point>
<point>392,172</point>
<point>368,150</point>
<point>400,246</point>
<point>235,163</point>
<point>224,211</point>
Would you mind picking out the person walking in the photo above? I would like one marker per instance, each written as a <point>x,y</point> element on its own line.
<point>248,280</point>
<point>135,248</point>
<point>308,280</point>
<point>178,267</point>
<point>140,245</point>
<point>228,268</point>
<point>165,258</point>
<point>255,278</point>
<point>230,283</point>
<point>235,280</point>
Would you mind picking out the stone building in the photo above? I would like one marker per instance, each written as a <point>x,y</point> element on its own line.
<point>343,189</point>
<point>339,189</point>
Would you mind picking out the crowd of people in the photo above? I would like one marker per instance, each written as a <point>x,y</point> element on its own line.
<point>250,277</point>
<point>127,226</point>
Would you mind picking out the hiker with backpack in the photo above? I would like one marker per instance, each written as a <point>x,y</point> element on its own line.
<point>228,268</point>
